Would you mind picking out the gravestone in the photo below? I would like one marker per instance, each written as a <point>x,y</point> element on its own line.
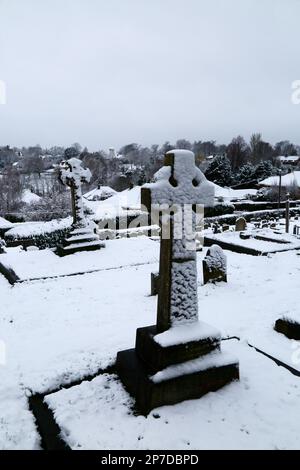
<point>240,224</point>
<point>154,283</point>
<point>179,358</point>
<point>81,237</point>
<point>214,265</point>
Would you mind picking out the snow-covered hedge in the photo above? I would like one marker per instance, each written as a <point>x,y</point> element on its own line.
<point>40,234</point>
<point>219,209</point>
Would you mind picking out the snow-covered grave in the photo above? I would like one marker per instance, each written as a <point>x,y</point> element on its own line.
<point>41,264</point>
<point>58,331</point>
<point>254,241</point>
<point>61,331</point>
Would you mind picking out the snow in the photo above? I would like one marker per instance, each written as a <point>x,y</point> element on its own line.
<point>183,303</point>
<point>99,194</point>
<point>130,199</point>
<point>186,333</point>
<point>45,263</point>
<point>31,229</point>
<point>229,194</point>
<point>210,361</point>
<point>116,205</point>
<point>256,413</point>
<point>291,179</point>
<point>191,185</point>
<point>57,331</point>
<point>264,246</point>
<point>5,224</point>
<point>29,197</point>
<point>216,259</point>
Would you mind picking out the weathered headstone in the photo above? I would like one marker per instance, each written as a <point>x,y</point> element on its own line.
<point>240,224</point>
<point>215,265</point>
<point>81,237</point>
<point>168,364</point>
<point>154,283</point>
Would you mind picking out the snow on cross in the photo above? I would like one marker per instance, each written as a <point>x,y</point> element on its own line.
<point>179,358</point>
<point>73,175</point>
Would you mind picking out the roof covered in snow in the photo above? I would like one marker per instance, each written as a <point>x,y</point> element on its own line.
<point>100,194</point>
<point>117,204</point>
<point>5,224</point>
<point>291,179</point>
<point>30,198</point>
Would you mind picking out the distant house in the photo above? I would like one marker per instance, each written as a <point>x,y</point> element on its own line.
<point>101,193</point>
<point>289,160</point>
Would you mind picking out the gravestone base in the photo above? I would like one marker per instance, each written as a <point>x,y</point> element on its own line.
<point>186,370</point>
<point>149,394</point>
<point>82,239</point>
<point>157,357</point>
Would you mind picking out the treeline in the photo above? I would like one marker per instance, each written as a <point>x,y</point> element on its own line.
<point>238,163</point>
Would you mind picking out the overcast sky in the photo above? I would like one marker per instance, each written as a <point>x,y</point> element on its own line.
<point>109,72</point>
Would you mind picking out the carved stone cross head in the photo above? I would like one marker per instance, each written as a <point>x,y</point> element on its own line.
<point>72,172</point>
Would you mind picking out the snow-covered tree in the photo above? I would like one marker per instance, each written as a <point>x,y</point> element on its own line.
<point>246,173</point>
<point>219,171</point>
<point>263,170</point>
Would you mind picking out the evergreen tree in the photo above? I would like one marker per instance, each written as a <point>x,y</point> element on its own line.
<point>246,173</point>
<point>263,170</point>
<point>219,171</point>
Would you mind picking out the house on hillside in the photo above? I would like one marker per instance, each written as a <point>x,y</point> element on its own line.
<point>101,193</point>
<point>293,160</point>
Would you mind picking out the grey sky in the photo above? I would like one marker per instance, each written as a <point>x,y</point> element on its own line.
<point>109,72</point>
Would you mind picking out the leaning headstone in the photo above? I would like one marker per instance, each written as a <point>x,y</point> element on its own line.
<point>82,237</point>
<point>154,283</point>
<point>214,265</point>
<point>171,361</point>
<point>240,224</point>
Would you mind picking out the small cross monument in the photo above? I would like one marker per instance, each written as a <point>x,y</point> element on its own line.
<point>167,364</point>
<point>82,237</point>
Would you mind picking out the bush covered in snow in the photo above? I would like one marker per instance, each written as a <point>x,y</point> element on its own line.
<point>42,235</point>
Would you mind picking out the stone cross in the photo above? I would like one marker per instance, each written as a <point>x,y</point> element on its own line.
<point>73,175</point>
<point>179,186</point>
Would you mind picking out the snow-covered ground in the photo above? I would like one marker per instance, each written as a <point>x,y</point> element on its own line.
<point>56,331</point>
